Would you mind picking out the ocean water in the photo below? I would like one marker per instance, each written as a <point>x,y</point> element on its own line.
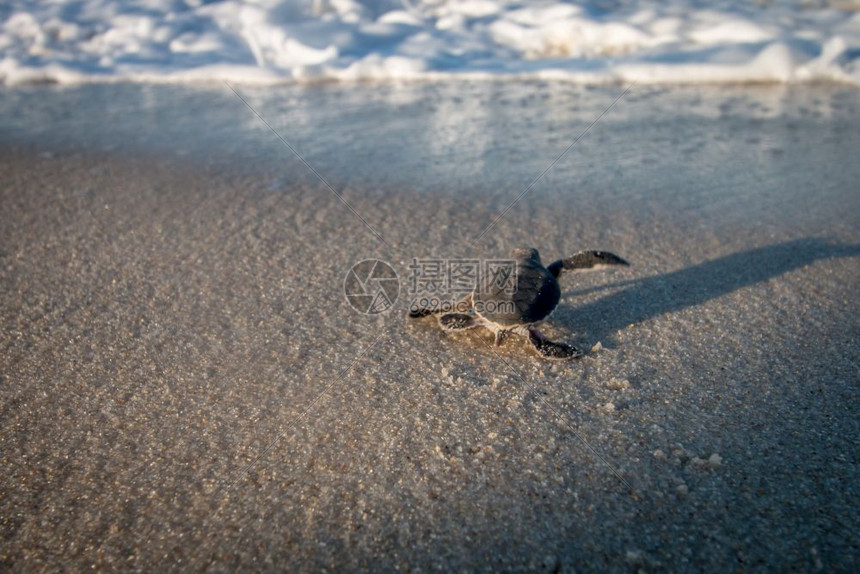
<point>275,41</point>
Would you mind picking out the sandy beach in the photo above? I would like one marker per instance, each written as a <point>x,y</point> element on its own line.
<point>185,387</point>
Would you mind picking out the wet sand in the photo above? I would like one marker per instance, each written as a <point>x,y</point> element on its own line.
<point>183,385</point>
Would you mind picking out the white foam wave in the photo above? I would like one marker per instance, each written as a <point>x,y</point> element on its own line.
<point>270,41</point>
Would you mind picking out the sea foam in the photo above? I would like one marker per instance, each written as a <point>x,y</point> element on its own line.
<point>271,41</point>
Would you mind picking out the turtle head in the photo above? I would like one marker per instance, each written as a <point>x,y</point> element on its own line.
<point>526,253</point>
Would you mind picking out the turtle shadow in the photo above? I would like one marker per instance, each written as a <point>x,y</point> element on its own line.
<point>648,297</point>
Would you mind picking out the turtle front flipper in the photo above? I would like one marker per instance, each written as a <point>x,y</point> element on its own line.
<point>552,350</point>
<point>585,260</point>
<point>457,321</point>
<point>417,311</point>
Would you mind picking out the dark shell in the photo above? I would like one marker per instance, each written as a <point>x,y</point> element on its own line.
<point>535,297</point>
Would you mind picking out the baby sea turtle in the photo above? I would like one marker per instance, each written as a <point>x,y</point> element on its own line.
<point>504,310</point>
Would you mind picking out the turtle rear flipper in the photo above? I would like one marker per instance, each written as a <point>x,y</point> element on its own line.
<point>457,321</point>
<point>585,260</point>
<point>551,349</point>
